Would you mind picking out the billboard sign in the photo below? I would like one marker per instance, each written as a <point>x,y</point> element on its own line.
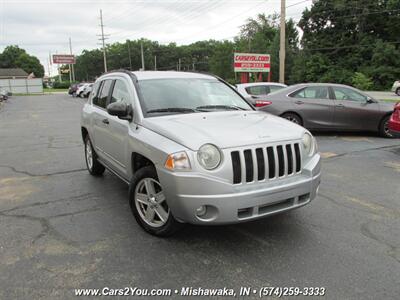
<point>65,59</point>
<point>251,62</point>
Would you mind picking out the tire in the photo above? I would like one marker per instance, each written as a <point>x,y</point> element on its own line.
<point>398,91</point>
<point>150,208</point>
<point>94,167</point>
<point>292,117</point>
<point>384,128</point>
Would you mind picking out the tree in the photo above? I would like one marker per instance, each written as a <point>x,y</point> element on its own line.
<point>15,57</point>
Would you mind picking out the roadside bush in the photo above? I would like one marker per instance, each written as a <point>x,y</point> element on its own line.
<point>361,82</point>
<point>61,85</point>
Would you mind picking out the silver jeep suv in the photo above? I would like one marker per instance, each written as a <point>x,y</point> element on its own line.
<point>194,151</point>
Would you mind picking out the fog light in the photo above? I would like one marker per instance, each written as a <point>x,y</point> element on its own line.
<point>201,211</point>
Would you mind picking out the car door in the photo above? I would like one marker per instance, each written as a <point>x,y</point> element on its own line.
<point>116,144</point>
<point>100,118</point>
<point>314,105</point>
<point>353,110</point>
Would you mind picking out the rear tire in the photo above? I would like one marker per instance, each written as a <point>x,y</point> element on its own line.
<point>149,205</point>
<point>384,128</point>
<point>292,117</point>
<point>94,167</point>
<point>398,91</point>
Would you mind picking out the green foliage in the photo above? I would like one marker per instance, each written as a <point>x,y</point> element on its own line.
<point>361,81</point>
<point>61,85</point>
<point>15,57</point>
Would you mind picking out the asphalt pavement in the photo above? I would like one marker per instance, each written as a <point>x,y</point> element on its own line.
<point>62,229</point>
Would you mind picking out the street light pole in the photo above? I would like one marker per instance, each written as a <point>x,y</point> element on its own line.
<point>282,50</point>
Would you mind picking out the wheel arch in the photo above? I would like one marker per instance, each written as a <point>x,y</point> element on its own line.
<point>139,161</point>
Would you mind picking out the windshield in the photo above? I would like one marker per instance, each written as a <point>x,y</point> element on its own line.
<point>180,95</point>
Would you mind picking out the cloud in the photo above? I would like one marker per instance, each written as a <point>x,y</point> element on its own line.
<point>43,26</point>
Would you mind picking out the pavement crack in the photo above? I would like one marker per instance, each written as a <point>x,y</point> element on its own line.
<point>337,156</point>
<point>75,198</point>
<point>393,250</point>
<point>15,170</point>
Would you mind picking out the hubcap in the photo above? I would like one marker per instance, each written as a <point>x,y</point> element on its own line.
<point>150,202</point>
<point>386,128</point>
<point>89,155</point>
<point>292,119</point>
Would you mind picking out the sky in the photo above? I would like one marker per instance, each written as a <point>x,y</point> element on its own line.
<point>45,26</point>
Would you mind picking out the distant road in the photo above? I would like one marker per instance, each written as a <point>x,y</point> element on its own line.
<point>383,95</point>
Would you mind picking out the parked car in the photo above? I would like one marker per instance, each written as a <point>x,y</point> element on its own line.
<point>394,123</point>
<point>194,151</point>
<point>325,106</point>
<point>84,90</point>
<point>396,87</point>
<point>255,92</point>
<point>3,95</point>
<point>73,88</point>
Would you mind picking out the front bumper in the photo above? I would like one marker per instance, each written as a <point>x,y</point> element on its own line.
<point>227,203</point>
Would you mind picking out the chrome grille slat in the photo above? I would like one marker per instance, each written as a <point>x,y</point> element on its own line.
<point>266,163</point>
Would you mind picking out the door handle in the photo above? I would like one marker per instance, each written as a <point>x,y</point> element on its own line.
<point>299,102</point>
<point>339,105</point>
<point>105,121</point>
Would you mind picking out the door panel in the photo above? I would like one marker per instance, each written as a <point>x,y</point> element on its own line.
<point>353,112</point>
<point>116,143</point>
<point>315,106</point>
<point>100,119</point>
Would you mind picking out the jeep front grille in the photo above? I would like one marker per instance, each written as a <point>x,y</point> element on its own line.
<point>265,163</point>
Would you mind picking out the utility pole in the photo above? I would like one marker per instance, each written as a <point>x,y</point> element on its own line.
<point>193,66</point>
<point>179,64</point>
<point>155,62</point>
<point>129,54</point>
<point>71,66</point>
<point>141,51</point>
<point>282,50</point>
<point>102,39</point>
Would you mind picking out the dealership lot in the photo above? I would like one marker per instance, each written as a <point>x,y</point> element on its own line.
<point>62,229</point>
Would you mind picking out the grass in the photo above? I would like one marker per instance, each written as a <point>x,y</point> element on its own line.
<point>391,100</point>
<point>51,90</point>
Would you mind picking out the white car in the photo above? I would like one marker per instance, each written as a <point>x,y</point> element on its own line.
<point>84,90</point>
<point>396,87</point>
<point>255,92</point>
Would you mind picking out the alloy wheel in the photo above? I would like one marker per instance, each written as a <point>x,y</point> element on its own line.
<point>150,202</point>
<point>89,155</point>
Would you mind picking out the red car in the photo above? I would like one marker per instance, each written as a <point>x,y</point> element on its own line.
<point>394,122</point>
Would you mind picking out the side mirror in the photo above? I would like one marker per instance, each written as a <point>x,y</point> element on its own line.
<point>120,110</point>
<point>370,100</point>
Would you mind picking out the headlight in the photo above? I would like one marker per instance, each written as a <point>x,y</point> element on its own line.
<point>209,156</point>
<point>178,161</point>
<point>309,144</point>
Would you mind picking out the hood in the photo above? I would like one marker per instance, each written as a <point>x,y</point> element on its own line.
<point>224,129</point>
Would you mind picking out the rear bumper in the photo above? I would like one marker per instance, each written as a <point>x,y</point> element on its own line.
<point>227,203</point>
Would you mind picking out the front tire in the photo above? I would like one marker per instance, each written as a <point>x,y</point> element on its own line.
<point>148,204</point>
<point>94,167</point>
<point>398,91</point>
<point>384,128</point>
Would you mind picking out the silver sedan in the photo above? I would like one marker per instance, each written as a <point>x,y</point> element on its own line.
<point>323,106</point>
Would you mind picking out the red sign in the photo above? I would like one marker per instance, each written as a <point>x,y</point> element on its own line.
<point>65,59</point>
<point>251,62</point>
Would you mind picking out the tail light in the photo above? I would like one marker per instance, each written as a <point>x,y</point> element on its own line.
<point>261,103</point>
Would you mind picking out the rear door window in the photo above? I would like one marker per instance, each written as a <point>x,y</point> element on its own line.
<point>312,92</point>
<point>101,99</point>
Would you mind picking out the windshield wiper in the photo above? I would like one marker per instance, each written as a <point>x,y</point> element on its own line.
<point>220,106</point>
<point>171,109</point>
